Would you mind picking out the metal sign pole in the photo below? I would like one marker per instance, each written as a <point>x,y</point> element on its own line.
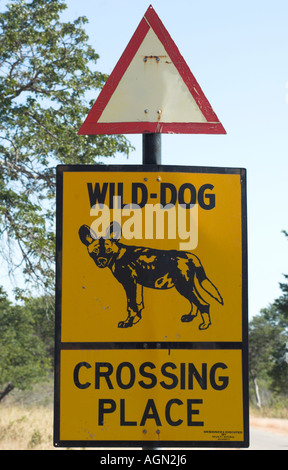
<point>151,156</point>
<point>151,149</point>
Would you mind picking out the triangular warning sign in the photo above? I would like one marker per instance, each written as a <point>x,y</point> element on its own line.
<point>151,90</point>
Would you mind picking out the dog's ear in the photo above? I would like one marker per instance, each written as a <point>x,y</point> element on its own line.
<point>114,231</point>
<point>86,235</point>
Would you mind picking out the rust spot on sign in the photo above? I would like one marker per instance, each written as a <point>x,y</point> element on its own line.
<point>156,58</point>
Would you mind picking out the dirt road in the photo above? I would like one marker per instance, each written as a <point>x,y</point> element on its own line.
<point>268,434</point>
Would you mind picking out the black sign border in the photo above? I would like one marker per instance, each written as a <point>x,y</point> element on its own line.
<point>60,170</point>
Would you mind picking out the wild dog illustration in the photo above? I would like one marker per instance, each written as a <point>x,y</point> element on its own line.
<point>137,267</point>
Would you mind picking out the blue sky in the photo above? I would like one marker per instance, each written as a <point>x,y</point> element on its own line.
<point>238,52</point>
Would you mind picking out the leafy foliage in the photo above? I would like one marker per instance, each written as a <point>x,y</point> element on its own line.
<point>268,335</point>
<point>23,359</point>
<point>46,68</point>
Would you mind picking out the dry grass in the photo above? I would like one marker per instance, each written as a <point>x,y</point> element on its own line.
<point>31,427</point>
<point>26,428</point>
<point>277,425</point>
<point>26,420</point>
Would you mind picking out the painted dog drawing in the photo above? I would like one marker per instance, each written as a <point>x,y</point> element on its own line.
<point>138,267</point>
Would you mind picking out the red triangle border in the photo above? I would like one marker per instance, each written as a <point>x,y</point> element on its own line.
<point>91,125</point>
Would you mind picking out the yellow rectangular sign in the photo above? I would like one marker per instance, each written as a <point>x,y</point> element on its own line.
<point>151,303</point>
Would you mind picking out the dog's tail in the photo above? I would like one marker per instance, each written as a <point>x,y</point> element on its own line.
<point>207,285</point>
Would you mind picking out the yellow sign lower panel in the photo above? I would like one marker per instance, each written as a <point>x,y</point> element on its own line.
<point>151,395</point>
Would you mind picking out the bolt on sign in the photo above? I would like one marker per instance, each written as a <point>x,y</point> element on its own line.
<point>151,321</point>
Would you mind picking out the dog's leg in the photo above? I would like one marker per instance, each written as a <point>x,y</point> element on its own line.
<point>205,314</point>
<point>135,304</point>
<point>197,304</point>
<point>184,288</point>
<point>191,315</point>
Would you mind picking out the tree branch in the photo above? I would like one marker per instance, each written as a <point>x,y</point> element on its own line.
<point>6,390</point>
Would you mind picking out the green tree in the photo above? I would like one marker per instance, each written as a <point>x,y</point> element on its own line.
<point>261,344</point>
<point>279,318</point>
<point>23,359</point>
<point>42,310</point>
<point>268,335</point>
<point>281,303</point>
<point>267,342</point>
<point>262,339</point>
<point>46,69</point>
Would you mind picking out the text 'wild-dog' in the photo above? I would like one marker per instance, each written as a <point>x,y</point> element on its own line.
<point>136,267</point>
